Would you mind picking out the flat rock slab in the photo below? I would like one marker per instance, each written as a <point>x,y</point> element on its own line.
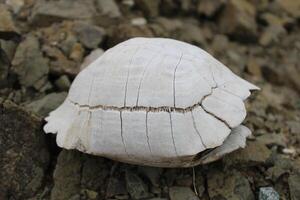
<point>23,153</point>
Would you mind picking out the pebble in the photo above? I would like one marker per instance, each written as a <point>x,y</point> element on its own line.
<point>268,193</point>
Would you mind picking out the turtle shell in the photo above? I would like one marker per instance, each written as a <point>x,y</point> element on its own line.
<point>153,101</point>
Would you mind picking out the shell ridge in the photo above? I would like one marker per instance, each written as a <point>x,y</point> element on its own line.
<point>197,131</point>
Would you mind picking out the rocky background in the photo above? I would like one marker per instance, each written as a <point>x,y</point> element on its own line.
<point>45,44</point>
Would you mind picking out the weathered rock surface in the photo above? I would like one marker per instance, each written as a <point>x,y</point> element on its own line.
<point>182,193</point>
<point>29,63</point>
<point>46,104</point>
<point>47,12</point>
<point>294,186</point>
<point>8,29</point>
<point>24,156</point>
<point>268,193</point>
<point>230,185</point>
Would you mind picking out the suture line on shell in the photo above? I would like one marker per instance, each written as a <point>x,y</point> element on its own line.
<point>153,109</point>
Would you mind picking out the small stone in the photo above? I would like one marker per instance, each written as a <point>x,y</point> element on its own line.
<point>290,6</point>
<point>294,186</point>
<point>77,52</point>
<point>228,185</point>
<point>273,139</point>
<point>192,33</point>
<point>67,175</point>
<point>238,19</point>
<point>89,35</point>
<point>209,7</point>
<point>47,12</point>
<point>271,34</point>
<point>90,194</point>
<point>63,83</point>
<point>29,58</point>
<point>16,5</point>
<point>150,8</point>
<point>135,186</point>
<point>254,67</point>
<point>95,54</point>
<point>115,187</point>
<point>268,193</point>
<point>59,63</point>
<point>182,193</point>
<point>8,29</point>
<point>108,8</point>
<point>140,21</point>
<point>46,104</point>
<point>152,173</point>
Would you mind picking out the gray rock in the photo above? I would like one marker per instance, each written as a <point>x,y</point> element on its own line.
<point>4,68</point>
<point>116,186</point>
<point>108,8</point>
<point>46,104</point>
<point>268,193</point>
<point>150,8</point>
<point>136,186</point>
<point>47,12</point>
<point>67,176</point>
<point>182,193</point>
<point>63,83</point>
<point>91,58</point>
<point>294,186</point>
<point>29,63</point>
<point>24,156</point>
<point>89,35</point>
<point>272,34</point>
<point>228,185</point>
<point>152,173</point>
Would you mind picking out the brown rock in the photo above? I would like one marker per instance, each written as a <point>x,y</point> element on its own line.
<point>255,153</point>
<point>290,6</point>
<point>24,155</point>
<point>238,19</point>
<point>7,27</point>
<point>271,34</point>
<point>209,7</point>
<point>150,8</point>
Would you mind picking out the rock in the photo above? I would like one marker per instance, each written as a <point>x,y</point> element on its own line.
<point>89,35</point>
<point>91,58</point>
<point>8,47</point>
<point>116,186</point>
<point>254,67</point>
<point>268,193</point>
<point>182,193</point>
<point>29,58</point>
<point>292,71</point>
<point>152,173</point>
<point>108,8</point>
<point>47,12</point>
<point>4,68</point>
<point>67,175</point>
<point>281,166</point>
<point>140,21</point>
<point>228,185</point>
<point>209,7</point>
<point>135,186</point>
<point>8,29</point>
<point>271,34</point>
<point>150,8</point>
<point>294,186</point>
<point>273,139</point>
<point>169,7</point>
<point>292,7</point>
<point>90,194</point>
<point>63,83</point>
<point>24,156</point>
<point>238,19</point>
<point>165,27</point>
<point>220,43</point>
<point>16,5</point>
<point>77,52</point>
<point>125,31</point>
<point>46,104</point>
<point>192,33</point>
<point>59,63</point>
<point>94,173</point>
<point>255,153</point>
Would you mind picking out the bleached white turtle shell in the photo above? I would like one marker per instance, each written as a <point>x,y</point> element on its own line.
<point>154,101</point>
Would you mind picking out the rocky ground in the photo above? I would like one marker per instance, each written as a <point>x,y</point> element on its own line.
<point>44,44</point>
